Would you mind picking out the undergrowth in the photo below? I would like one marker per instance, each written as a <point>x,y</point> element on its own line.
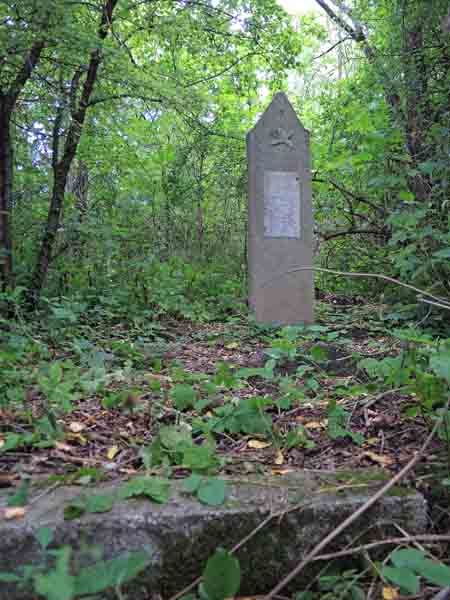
<point>286,393</point>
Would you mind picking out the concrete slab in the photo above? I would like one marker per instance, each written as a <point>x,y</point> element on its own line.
<point>181,534</point>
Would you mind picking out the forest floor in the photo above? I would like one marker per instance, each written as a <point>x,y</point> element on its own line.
<point>86,399</point>
<point>275,400</point>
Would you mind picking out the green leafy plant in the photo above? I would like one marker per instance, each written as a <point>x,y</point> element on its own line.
<point>338,423</point>
<point>209,490</point>
<point>154,488</point>
<point>174,446</point>
<point>408,565</point>
<point>244,416</point>
<point>342,586</point>
<point>92,503</point>
<point>298,438</point>
<point>58,383</point>
<point>56,578</point>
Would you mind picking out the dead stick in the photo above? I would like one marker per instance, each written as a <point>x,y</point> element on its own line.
<point>353,517</point>
<point>391,541</point>
<point>442,302</point>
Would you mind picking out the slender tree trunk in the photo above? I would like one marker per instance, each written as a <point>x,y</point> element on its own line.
<point>61,167</point>
<point>8,100</point>
<point>6,182</point>
<point>51,230</point>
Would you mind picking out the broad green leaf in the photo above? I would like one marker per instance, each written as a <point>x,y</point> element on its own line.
<point>435,572</point>
<point>175,438</point>
<point>357,593</point>
<point>407,557</point>
<point>402,577</point>
<point>406,196</point>
<point>192,483</point>
<point>147,456</point>
<point>211,491</point>
<point>152,487</point>
<point>58,584</point>
<point>12,441</point>
<point>55,372</point>
<point>75,508</point>
<point>184,396</point>
<point>44,536</point>
<point>199,458</point>
<point>9,578</point>
<point>111,573</point>
<point>445,253</point>
<point>99,503</point>
<point>319,353</point>
<point>20,496</point>
<point>222,576</point>
<point>440,363</point>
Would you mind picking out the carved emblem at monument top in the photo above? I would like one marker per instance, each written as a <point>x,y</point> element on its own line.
<point>281,136</point>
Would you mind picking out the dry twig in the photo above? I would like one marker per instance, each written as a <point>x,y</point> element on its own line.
<point>353,517</point>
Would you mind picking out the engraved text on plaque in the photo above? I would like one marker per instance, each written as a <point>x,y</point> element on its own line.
<point>281,204</point>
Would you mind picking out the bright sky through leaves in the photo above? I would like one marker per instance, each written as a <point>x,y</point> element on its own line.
<point>298,6</point>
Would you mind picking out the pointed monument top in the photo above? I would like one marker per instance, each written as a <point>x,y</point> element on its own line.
<point>279,117</point>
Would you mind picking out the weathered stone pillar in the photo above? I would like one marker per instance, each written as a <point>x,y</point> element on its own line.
<point>280,223</point>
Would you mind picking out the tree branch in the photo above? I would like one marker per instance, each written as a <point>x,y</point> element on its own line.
<point>331,236</point>
<point>353,195</point>
<point>354,516</point>
<point>24,73</point>
<point>332,48</point>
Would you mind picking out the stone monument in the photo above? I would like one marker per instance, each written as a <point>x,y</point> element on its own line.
<point>280,224</point>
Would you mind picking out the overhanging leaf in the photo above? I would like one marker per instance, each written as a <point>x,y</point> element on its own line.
<point>222,576</point>
<point>402,577</point>
<point>111,573</point>
<point>152,487</point>
<point>211,491</point>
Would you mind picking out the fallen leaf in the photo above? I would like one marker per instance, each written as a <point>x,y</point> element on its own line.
<point>390,593</point>
<point>76,427</point>
<point>315,425</point>
<point>373,441</point>
<point>157,376</point>
<point>2,442</point>
<point>112,452</point>
<point>279,459</point>
<point>380,459</point>
<point>63,447</point>
<point>258,444</point>
<point>16,512</point>
<point>281,471</point>
<point>232,345</point>
<point>78,438</point>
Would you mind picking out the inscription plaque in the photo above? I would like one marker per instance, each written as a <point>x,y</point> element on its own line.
<point>281,204</point>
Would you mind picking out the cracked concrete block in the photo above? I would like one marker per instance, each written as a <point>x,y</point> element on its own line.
<point>180,535</point>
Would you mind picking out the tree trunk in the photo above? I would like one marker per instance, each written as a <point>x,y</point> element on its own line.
<point>6,179</point>
<point>61,168</point>
<point>8,100</point>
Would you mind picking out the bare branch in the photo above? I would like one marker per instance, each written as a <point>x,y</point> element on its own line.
<point>24,74</point>
<point>331,236</point>
<point>332,48</point>
<point>354,516</point>
<point>351,194</point>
